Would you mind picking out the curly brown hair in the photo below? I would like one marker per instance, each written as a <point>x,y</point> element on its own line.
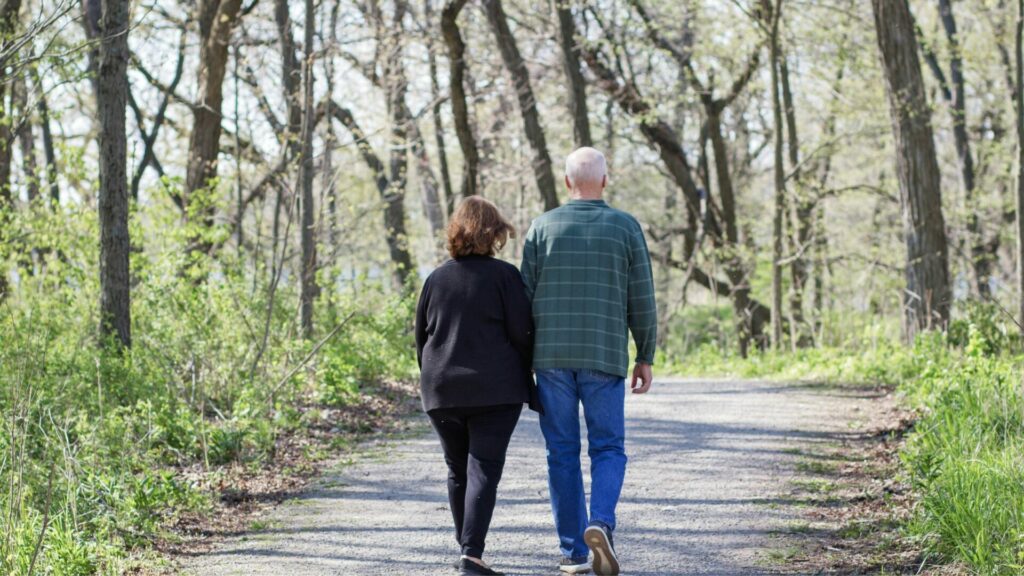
<point>477,227</point>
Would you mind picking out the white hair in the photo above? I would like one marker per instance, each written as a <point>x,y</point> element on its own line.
<point>585,166</point>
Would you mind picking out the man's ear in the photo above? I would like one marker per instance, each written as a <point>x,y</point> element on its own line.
<point>604,181</point>
<point>567,183</point>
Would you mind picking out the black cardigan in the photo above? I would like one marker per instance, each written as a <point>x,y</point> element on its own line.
<point>474,336</point>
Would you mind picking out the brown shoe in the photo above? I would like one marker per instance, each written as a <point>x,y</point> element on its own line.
<point>599,539</point>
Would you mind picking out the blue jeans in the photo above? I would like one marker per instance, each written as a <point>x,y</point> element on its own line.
<point>603,397</point>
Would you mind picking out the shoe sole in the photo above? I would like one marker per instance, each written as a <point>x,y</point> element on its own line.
<point>568,570</point>
<point>604,563</point>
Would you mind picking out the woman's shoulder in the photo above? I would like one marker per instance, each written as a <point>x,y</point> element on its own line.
<point>505,269</point>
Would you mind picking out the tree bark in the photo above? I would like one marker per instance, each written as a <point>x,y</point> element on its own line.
<point>8,25</point>
<point>435,112</point>
<point>1019,101</point>
<point>217,19</point>
<point>309,289</point>
<point>927,295</point>
<point>111,99</point>
<point>780,178</point>
<point>428,182</point>
<point>952,90</point>
<point>516,67</point>
<point>457,89</point>
<point>801,215</point>
<point>49,150</point>
<point>395,87</point>
<point>291,78</point>
<point>27,140</point>
<point>571,63</point>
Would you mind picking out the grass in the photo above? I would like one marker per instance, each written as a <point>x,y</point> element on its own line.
<point>815,467</point>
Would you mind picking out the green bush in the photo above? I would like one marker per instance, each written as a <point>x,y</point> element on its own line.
<point>199,386</point>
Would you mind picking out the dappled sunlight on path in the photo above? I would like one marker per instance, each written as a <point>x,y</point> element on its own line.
<point>705,493</point>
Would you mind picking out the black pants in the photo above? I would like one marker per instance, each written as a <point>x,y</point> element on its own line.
<point>475,441</point>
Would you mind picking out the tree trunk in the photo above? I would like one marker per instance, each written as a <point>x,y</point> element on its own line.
<point>516,67</point>
<point>780,181</point>
<point>927,295</point>
<point>952,90</point>
<point>309,290</point>
<point>291,78</point>
<point>8,24</point>
<point>396,86</point>
<point>980,260</point>
<point>1019,100</point>
<point>435,111</point>
<point>27,140</point>
<point>571,63</point>
<point>49,150</point>
<point>746,329</point>
<point>428,182</point>
<point>217,19</point>
<point>111,99</point>
<point>457,91</point>
<point>801,215</point>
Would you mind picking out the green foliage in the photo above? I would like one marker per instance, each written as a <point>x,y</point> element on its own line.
<point>377,345</point>
<point>92,440</point>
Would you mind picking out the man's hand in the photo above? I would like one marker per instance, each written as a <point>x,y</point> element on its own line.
<point>641,372</point>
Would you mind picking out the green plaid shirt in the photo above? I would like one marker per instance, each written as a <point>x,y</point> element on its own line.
<point>588,274</point>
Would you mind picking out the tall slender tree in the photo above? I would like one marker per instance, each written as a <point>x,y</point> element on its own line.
<point>1019,106</point>
<point>927,295</point>
<point>773,17</point>
<point>217,19</point>
<point>569,42</point>
<point>8,25</point>
<point>952,90</point>
<point>435,110</point>
<point>457,90</point>
<point>111,101</point>
<point>309,289</point>
<point>532,125</point>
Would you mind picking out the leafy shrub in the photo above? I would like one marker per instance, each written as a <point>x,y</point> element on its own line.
<point>200,385</point>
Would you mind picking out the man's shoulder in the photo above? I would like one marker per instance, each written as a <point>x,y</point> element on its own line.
<point>564,212</point>
<point>548,217</point>
<point>624,218</point>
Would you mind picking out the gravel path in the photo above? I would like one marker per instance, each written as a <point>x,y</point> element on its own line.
<point>710,464</point>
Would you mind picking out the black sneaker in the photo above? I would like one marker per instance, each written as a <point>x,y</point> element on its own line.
<point>599,538</point>
<point>576,565</point>
<point>467,566</point>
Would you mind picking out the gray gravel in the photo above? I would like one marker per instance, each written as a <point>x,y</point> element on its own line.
<point>705,492</point>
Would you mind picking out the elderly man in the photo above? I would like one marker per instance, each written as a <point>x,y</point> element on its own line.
<point>588,275</point>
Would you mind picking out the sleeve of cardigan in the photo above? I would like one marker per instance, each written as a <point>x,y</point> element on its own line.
<point>421,322</point>
<point>642,311</point>
<point>519,318</point>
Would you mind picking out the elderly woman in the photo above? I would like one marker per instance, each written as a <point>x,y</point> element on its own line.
<point>474,338</point>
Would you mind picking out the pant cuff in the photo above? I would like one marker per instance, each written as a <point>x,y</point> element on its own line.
<point>473,552</point>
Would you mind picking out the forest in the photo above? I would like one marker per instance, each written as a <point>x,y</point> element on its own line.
<point>215,216</point>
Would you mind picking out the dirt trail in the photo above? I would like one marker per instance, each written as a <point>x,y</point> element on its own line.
<point>710,463</point>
